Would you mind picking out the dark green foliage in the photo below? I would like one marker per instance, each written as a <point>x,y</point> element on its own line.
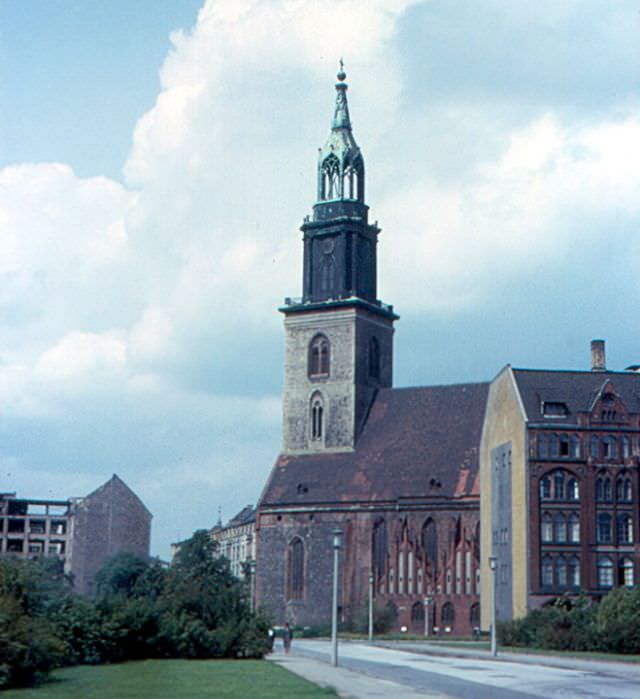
<point>194,609</point>
<point>618,621</point>
<point>576,624</point>
<point>384,618</point>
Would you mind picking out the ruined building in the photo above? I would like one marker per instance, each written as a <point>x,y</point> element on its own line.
<point>396,470</point>
<point>82,533</point>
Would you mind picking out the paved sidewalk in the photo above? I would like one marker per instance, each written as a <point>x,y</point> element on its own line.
<point>348,684</point>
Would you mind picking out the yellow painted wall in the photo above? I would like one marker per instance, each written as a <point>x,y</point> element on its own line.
<point>504,422</point>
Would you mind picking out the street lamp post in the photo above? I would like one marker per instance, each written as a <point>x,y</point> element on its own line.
<point>370,608</point>
<point>427,602</point>
<point>337,534</point>
<point>493,564</point>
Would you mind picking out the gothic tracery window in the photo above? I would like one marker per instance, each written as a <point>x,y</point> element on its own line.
<point>379,552</point>
<point>317,417</point>
<point>430,543</point>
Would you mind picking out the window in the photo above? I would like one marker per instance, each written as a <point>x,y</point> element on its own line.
<point>574,528</point>
<point>330,184</point>
<point>374,358</point>
<point>545,488</point>
<point>448,614</point>
<point>547,571</point>
<point>564,445</point>
<point>595,446</point>
<point>295,572</point>
<point>607,490</point>
<point>575,446</point>
<point>430,544</point>
<point>319,356</point>
<point>624,529</point>
<point>603,489</point>
<point>559,528</point>
<point>546,531</point>
<point>558,485</point>
<point>554,448</point>
<point>542,445</point>
<point>379,553</point>
<point>626,452</point>
<point>561,571</point>
<point>573,571</point>
<point>609,447</point>
<point>625,572</point>
<point>317,417</point>
<point>573,490</point>
<point>623,489</point>
<point>604,528</point>
<point>327,274</point>
<point>554,409</point>
<point>628,496</point>
<point>605,572</point>
<point>417,613</point>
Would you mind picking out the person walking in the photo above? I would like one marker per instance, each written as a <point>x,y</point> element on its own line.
<point>287,636</point>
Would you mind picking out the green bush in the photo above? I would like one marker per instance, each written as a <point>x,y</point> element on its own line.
<point>618,621</point>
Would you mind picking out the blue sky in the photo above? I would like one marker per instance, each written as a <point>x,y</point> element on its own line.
<point>157,158</point>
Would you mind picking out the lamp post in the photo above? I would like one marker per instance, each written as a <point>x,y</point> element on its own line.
<point>427,602</point>
<point>493,564</point>
<point>370,608</point>
<point>337,534</point>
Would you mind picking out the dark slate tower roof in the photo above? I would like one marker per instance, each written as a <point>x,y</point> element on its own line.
<point>417,443</point>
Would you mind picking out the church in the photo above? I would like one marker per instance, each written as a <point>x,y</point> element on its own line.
<point>537,469</point>
<point>396,470</point>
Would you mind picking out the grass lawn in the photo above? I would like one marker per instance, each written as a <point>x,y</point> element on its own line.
<point>174,679</point>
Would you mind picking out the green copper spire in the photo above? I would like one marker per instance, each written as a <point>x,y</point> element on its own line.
<point>340,163</point>
<point>341,117</point>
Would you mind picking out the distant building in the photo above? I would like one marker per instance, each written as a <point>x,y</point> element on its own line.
<point>237,540</point>
<point>559,474</point>
<point>80,532</point>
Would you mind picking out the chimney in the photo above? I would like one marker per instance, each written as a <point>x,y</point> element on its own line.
<point>598,361</point>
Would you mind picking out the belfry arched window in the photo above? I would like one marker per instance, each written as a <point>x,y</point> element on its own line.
<point>295,570</point>
<point>327,274</point>
<point>317,417</point>
<point>319,357</point>
<point>330,188</point>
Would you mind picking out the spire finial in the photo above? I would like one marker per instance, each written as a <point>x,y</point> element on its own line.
<point>341,74</point>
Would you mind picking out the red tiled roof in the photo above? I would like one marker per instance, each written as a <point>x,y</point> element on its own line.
<point>417,443</point>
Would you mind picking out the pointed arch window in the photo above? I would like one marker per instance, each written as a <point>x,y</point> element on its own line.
<point>573,489</point>
<point>379,553</point>
<point>623,489</point>
<point>330,187</point>
<point>319,357</point>
<point>317,417</point>
<point>575,446</point>
<point>417,613</point>
<point>554,448</point>
<point>295,570</point>
<point>558,485</point>
<point>327,274</point>
<point>564,445</point>
<point>545,488</point>
<point>559,529</point>
<point>595,446</point>
<point>609,447</point>
<point>448,615</point>
<point>626,451</point>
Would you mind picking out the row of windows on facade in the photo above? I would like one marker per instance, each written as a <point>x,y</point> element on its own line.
<point>558,529</point>
<point>559,572</point>
<point>447,616</point>
<point>570,446</point>
<point>561,485</point>
<point>408,580</point>
<point>319,361</point>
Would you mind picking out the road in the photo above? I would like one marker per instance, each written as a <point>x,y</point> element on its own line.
<point>478,677</point>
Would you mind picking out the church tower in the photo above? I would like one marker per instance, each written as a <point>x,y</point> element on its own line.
<point>339,336</point>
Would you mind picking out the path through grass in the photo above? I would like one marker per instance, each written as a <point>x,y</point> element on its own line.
<point>175,679</point>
